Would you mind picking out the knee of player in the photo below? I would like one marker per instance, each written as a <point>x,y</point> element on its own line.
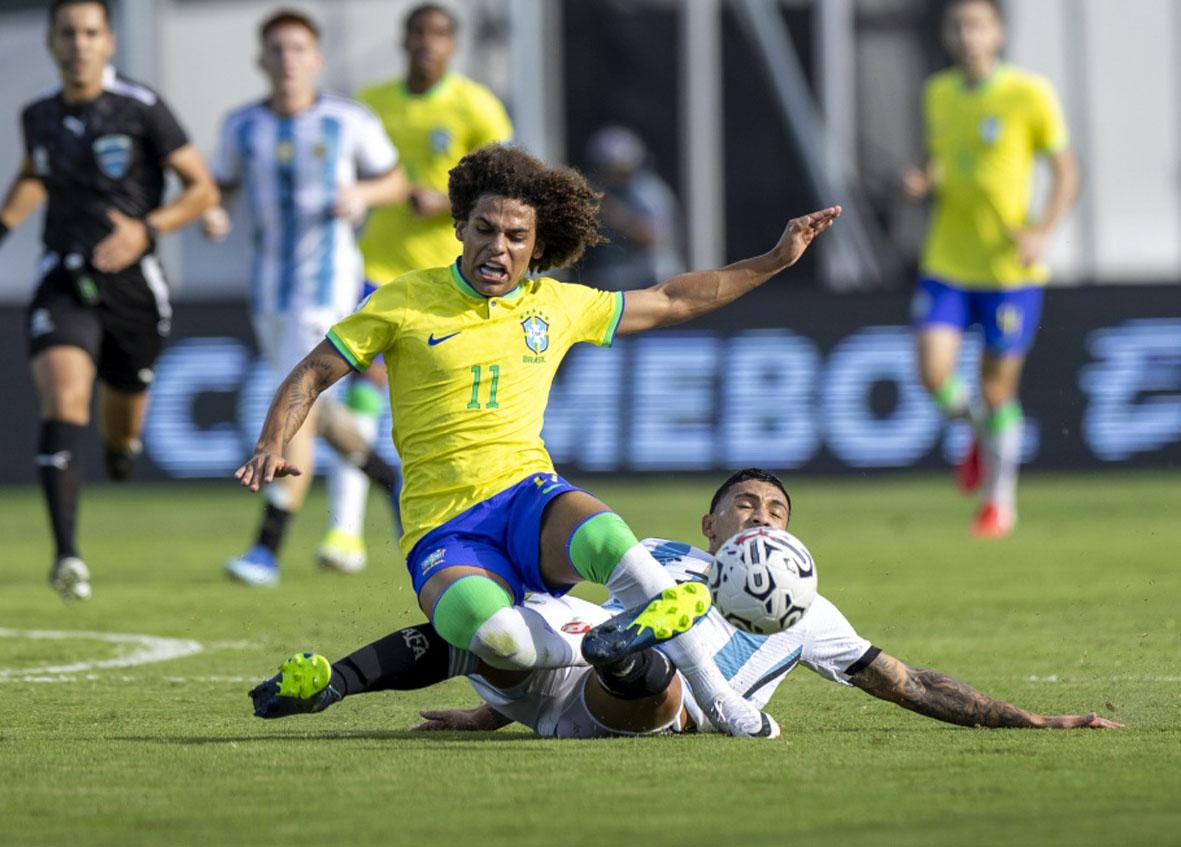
<point>504,641</point>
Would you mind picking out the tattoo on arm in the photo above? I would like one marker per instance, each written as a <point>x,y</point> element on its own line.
<point>296,395</point>
<point>938,695</point>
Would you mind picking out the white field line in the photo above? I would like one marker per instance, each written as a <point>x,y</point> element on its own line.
<point>145,649</point>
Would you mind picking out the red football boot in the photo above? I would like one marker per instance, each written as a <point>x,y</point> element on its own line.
<point>994,521</point>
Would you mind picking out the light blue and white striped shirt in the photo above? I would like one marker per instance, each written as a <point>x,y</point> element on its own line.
<point>292,168</point>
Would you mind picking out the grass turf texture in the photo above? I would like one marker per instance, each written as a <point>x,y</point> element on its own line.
<point>1076,612</point>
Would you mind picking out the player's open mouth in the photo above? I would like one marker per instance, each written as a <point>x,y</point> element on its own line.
<point>492,272</point>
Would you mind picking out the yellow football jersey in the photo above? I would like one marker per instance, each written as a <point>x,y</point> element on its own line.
<point>432,132</point>
<point>469,379</point>
<point>982,142</point>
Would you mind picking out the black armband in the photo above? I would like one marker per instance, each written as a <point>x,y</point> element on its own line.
<point>864,662</point>
<point>4,230</point>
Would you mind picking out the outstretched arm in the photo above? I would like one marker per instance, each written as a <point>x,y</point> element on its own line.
<point>938,696</point>
<point>318,371</point>
<point>690,295</point>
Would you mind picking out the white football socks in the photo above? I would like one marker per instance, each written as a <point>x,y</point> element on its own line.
<point>348,487</point>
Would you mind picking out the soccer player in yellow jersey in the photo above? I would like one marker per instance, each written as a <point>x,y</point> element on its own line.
<point>434,117</point>
<point>471,350</point>
<point>986,123</point>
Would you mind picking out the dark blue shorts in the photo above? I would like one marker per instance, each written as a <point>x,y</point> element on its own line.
<point>1009,317</point>
<point>501,534</point>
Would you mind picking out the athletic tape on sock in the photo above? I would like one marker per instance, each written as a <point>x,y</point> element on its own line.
<point>1010,414</point>
<point>597,544</point>
<point>464,606</point>
<point>364,398</point>
<point>952,396</point>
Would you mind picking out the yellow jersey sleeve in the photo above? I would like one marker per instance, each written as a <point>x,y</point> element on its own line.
<point>1050,134</point>
<point>593,314</point>
<point>372,329</point>
<point>490,122</point>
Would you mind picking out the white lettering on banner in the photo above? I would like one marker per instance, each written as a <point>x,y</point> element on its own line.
<point>1134,388</point>
<point>854,433</point>
<point>172,437</point>
<point>708,401</point>
<point>673,402</point>
<point>582,421</point>
<point>767,401</point>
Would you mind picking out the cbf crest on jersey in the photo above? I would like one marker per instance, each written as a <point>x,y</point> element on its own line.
<point>440,139</point>
<point>536,333</point>
<point>990,129</point>
<point>113,154</point>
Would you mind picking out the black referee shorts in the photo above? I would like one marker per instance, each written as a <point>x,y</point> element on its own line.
<point>122,332</point>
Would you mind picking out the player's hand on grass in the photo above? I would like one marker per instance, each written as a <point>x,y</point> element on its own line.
<point>458,720</point>
<point>801,231</point>
<point>263,467</point>
<point>426,202</point>
<point>216,223</point>
<point>126,242</point>
<point>1031,245</point>
<point>1088,721</point>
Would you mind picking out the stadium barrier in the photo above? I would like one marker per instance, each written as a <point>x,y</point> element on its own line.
<point>788,378</point>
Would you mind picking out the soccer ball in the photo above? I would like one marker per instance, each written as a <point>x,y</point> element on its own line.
<point>763,580</point>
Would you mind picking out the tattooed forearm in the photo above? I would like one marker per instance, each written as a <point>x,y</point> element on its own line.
<point>295,396</point>
<point>938,695</point>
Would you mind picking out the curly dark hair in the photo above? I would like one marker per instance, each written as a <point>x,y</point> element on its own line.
<point>567,207</point>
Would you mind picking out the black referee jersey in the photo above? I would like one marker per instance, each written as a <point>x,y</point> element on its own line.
<point>93,156</point>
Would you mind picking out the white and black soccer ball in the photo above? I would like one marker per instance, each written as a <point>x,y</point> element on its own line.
<point>763,580</point>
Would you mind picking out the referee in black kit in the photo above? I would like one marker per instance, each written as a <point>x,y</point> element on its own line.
<point>98,149</point>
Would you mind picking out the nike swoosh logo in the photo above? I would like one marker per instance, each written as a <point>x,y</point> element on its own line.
<point>550,488</point>
<point>432,341</point>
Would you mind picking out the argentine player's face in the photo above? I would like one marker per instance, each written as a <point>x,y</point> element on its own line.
<point>291,59</point>
<point>973,32</point>
<point>747,504</point>
<point>81,42</point>
<point>499,241</point>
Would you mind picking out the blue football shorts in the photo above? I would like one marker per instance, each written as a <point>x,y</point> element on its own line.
<point>501,534</point>
<point>1009,317</point>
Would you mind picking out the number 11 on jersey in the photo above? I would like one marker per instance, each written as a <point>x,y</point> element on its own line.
<point>494,372</point>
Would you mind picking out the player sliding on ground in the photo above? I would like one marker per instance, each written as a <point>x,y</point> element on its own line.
<point>645,695</point>
<point>471,351</point>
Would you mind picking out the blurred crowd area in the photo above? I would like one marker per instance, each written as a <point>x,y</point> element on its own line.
<point>706,122</point>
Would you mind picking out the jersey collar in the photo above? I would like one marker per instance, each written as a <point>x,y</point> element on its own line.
<point>466,287</point>
<point>984,84</point>
<point>433,91</point>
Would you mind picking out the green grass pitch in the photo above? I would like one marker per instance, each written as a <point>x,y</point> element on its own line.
<point>1077,612</point>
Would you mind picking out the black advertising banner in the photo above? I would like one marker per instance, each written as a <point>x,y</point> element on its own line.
<point>791,379</point>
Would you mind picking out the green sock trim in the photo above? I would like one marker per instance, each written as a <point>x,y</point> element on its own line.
<point>465,605</point>
<point>364,398</point>
<point>1007,415</point>
<point>597,544</point>
<point>949,396</point>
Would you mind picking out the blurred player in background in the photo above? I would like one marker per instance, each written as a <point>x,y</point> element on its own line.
<point>645,695</point>
<point>472,349</point>
<point>435,117</point>
<point>312,165</point>
<point>986,122</point>
<point>640,216</point>
<point>98,148</point>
